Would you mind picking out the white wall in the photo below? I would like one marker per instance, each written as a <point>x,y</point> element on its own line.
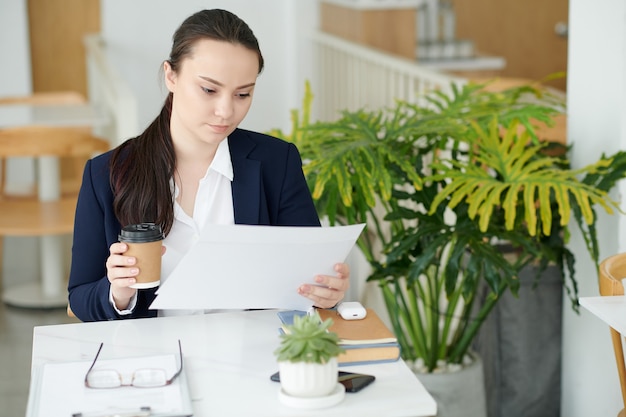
<point>596,123</point>
<point>15,71</point>
<point>139,33</point>
<point>14,44</point>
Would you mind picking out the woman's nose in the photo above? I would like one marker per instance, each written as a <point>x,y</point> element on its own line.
<point>224,107</point>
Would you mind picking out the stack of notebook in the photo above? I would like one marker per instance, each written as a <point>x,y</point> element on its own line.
<point>365,341</point>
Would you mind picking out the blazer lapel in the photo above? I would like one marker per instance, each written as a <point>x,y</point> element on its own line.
<point>246,184</point>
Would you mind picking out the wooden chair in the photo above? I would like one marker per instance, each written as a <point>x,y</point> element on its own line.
<point>56,97</point>
<point>32,216</point>
<point>612,271</point>
<point>71,182</point>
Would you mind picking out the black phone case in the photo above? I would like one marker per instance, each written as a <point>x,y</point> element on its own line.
<point>352,381</point>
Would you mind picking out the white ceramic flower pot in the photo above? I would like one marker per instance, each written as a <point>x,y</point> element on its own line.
<point>300,379</point>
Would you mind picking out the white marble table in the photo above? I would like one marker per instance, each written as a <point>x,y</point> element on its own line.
<point>50,292</point>
<point>610,309</point>
<point>228,358</point>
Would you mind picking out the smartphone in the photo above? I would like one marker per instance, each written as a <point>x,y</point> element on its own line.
<point>352,381</point>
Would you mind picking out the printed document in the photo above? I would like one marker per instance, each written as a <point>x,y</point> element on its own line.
<point>253,267</point>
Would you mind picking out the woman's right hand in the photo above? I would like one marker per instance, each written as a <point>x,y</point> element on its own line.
<point>121,272</point>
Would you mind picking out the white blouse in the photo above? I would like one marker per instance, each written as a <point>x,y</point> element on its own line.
<point>213,205</point>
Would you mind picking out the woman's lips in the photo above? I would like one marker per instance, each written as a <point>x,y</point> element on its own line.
<point>219,128</point>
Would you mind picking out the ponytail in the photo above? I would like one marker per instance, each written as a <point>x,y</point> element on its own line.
<point>141,169</point>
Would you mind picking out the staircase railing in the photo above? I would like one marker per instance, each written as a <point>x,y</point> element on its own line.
<point>350,76</point>
<point>110,94</point>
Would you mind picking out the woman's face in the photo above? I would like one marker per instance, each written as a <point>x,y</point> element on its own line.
<point>212,91</point>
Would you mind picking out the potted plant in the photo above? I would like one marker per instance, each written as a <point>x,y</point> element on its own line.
<point>440,187</point>
<point>307,357</point>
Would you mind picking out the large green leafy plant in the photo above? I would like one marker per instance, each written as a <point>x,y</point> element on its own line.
<point>441,185</point>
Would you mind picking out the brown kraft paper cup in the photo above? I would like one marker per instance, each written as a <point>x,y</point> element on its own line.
<point>145,241</point>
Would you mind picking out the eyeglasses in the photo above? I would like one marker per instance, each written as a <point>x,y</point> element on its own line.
<point>141,378</point>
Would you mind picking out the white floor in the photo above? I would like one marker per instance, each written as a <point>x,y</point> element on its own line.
<point>16,337</point>
<point>16,327</point>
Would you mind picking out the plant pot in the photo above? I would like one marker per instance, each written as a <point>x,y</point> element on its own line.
<point>301,379</point>
<point>458,393</point>
<point>520,344</point>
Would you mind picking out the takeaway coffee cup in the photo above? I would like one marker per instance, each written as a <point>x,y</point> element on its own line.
<point>144,242</point>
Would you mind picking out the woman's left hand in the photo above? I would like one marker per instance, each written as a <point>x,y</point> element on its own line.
<point>330,289</point>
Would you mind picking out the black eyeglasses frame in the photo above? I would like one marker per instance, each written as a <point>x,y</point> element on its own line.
<point>167,382</point>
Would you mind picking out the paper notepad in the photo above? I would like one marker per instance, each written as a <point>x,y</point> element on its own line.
<point>366,331</point>
<point>60,390</point>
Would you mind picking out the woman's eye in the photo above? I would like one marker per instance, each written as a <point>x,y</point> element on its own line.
<point>243,95</point>
<point>208,90</point>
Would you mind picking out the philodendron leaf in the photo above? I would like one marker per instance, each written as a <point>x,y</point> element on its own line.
<point>505,171</point>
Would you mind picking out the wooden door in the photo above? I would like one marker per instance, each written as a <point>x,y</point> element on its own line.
<point>57,52</point>
<point>522,31</point>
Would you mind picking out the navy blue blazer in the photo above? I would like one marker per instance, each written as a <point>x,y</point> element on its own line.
<point>268,188</point>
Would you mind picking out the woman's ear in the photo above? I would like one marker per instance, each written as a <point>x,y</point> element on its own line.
<point>170,76</point>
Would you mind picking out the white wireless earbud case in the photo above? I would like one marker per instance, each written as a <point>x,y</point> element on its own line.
<point>351,310</point>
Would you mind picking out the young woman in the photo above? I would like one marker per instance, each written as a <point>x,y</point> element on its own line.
<point>192,166</point>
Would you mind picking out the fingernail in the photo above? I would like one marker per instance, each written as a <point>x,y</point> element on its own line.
<point>318,279</point>
<point>134,271</point>
<point>131,261</point>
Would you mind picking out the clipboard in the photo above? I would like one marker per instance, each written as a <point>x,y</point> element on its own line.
<point>58,389</point>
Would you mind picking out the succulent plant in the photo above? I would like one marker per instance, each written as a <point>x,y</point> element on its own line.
<point>308,340</point>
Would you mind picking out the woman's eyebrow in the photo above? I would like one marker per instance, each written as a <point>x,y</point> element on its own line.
<point>211,80</point>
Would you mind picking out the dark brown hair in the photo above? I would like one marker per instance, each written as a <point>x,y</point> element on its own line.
<point>141,168</point>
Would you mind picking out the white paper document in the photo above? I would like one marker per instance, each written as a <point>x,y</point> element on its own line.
<point>240,266</point>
